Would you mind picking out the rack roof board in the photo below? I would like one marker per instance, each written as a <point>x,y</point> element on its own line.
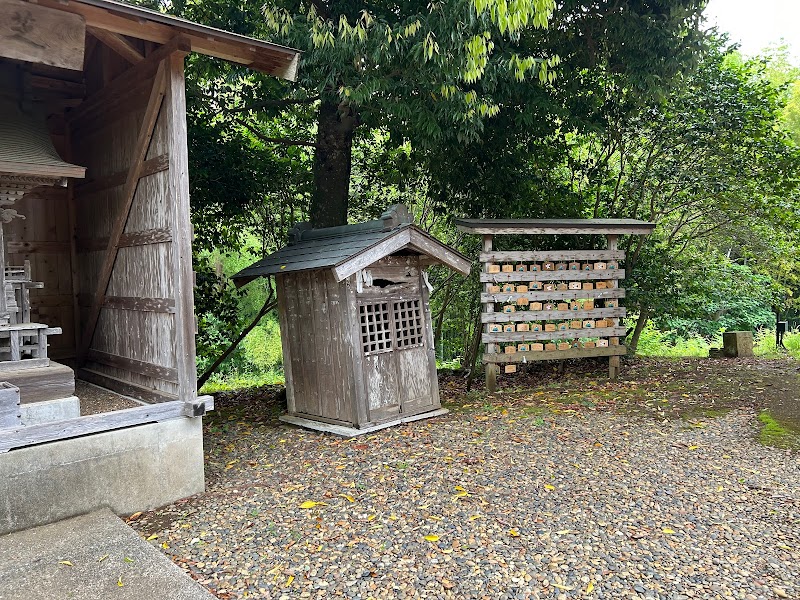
<point>555,226</point>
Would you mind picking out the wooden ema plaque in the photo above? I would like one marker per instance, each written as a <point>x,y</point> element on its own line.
<point>564,304</point>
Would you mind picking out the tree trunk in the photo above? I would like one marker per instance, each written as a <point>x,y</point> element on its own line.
<point>644,316</point>
<point>332,162</point>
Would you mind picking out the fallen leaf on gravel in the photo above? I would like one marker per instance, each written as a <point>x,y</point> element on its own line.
<point>152,537</point>
<point>102,558</point>
<point>432,538</point>
<point>668,531</point>
<point>474,517</point>
<point>65,562</point>
<point>311,504</point>
<point>590,587</point>
<point>693,447</point>
<point>134,516</point>
<point>119,582</point>
<point>564,588</point>
<point>513,533</point>
<point>549,487</point>
<point>347,497</point>
<point>289,580</point>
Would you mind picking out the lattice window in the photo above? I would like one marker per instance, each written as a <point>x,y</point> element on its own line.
<point>408,324</point>
<point>376,327</point>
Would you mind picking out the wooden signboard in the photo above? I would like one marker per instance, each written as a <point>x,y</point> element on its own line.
<point>37,34</point>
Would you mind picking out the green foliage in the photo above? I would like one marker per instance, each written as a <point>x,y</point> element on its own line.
<point>654,342</point>
<point>262,346</point>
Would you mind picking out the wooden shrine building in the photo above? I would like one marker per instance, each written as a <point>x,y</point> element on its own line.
<point>355,322</point>
<point>97,278</point>
<point>552,304</point>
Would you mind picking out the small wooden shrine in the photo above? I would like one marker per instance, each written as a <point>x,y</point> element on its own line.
<point>355,322</point>
<point>552,305</point>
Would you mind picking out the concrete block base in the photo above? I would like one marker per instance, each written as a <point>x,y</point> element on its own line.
<point>50,410</point>
<point>349,432</point>
<point>127,470</point>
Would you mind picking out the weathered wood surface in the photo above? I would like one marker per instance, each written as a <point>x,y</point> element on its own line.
<point>129,192</point>
<point>37,34</point>
<point>602,274</point>
<point>554,226</point>
<point>554,355</point>
<point>525,316</point>
<point>134,303</point>
<point>134,366</point>
<point>118,44</point>
<point>21,436</point>
<point>567,334</point>
<point>123,386</point>
<point>149,167</point>
<point>510,297</point>
<point>127,240</point>
<point>181,267</point>
<point>41,384</point>
<point>142,24</point>
<point>515,256</point>
<point>9,405</point>
<point>490,371</point>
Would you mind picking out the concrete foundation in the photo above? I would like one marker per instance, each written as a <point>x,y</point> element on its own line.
<point>128,470</point>
<point>107,559</point>
<point>50,410</point>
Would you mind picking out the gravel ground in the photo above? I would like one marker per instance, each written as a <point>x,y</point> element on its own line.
<point>513,496</point>
<point>95,400</point>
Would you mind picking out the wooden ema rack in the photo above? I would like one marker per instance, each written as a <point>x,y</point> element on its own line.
<point>552,305</point>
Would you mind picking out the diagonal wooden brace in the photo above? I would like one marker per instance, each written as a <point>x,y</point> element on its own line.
<point>128,194</point>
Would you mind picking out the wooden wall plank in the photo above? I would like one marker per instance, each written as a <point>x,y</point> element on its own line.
<point>134,366</point>
<point>525,316</point>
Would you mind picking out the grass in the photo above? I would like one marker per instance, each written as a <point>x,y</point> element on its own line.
<point>240,381</point>
<point>773,433</point>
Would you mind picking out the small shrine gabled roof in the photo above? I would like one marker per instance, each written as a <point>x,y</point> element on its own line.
<point>350,248</point>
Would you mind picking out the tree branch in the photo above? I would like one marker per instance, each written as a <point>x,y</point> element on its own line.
<point>270,303</point>
<point>273,104</point>
<point>273,140</point>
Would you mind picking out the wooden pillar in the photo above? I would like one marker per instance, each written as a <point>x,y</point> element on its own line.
<point>183,282</point>
<point>491,369</point>
<point>613,361</point>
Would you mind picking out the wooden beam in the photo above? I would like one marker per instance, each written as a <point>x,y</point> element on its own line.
<point>138,304</point>
<point>567,334</point>
<point>118,44</point>
<point>134,366</point>
<point>526,316</point>
<point>519,357</point>
<point>154,165</point>
<point>38,34</point>
<point>120,87</point>
<point>602,274</point>
<point>142,24</point>
<point>539,296</point>
<point>28,435</point>
<point>512,256</point>
<point>127,240</point>
<point>129,191</point>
